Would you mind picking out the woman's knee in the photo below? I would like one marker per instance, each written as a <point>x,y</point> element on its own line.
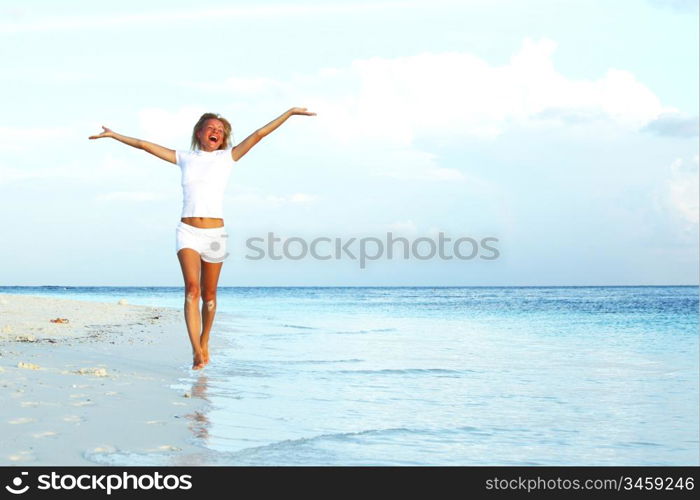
<point>192,292</point>
<point>209,298</point>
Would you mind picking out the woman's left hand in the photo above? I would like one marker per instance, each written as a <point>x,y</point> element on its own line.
<point>301,111</point>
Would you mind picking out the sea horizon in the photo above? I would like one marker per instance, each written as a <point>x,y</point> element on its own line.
<point>359,286</point>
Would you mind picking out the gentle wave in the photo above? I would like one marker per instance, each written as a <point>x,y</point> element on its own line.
<point>353,436</point>
<point>405,371</point>
<point>306,361</point>
<point>352,332</point>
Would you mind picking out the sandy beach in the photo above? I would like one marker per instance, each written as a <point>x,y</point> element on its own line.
<point>113,380</point>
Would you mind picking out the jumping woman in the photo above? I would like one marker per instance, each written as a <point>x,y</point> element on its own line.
<point>200,235</point>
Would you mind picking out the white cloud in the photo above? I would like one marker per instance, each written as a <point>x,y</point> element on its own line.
<point>253,196</point>
<point>11,174</point>
<point>403,227</point>
<point>257,199</point>
<point>234,84</point>
<point>688,6</point>
<point>131,196</point>
<point>410,164</point>
<point>154,18</point>
<point>92,170</point>
<point>171,129</point>
<point>39,173</point>
<point>407,172</point>
<point>457,95</point>
<point>26,138</point>
<point>680,192</point>
<point>302,198</point>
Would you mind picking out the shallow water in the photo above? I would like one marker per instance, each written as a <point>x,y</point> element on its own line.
<point>441,376</point>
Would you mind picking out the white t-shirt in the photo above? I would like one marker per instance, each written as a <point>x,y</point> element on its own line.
<point>204,178</point>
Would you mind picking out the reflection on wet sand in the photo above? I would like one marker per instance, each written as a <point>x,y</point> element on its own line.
<point>199,422</point>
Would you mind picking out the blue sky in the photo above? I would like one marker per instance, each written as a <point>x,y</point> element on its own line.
<point>567,130</point>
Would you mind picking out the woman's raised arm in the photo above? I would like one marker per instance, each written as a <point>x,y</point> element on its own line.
<point>156,150</point>
<point>244,146</point>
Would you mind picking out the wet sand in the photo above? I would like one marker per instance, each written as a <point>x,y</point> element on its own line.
<point>112,381</point>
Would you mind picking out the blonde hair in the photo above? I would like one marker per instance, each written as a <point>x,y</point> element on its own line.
<point>200,125</point>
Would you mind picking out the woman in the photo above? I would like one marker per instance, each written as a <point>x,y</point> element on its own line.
<point>201,235</point>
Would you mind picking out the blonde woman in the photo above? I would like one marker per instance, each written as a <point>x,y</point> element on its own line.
<point>201,234</point>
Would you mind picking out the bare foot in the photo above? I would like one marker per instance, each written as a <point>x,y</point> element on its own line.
<point>205,353</point>
<point>198,362</point>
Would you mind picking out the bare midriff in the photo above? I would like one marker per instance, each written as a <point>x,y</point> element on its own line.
<point>203,222</point>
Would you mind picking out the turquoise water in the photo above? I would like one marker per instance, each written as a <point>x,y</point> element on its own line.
<point>443,376</point>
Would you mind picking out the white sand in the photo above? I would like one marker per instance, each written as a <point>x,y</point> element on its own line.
<point>99,386</point>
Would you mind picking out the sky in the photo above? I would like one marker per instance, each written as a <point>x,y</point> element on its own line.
<point>562,134</point>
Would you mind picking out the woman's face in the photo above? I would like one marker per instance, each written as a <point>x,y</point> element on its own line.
<point>211,135</point>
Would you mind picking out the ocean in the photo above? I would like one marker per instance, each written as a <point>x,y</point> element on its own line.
<point>441,376</point>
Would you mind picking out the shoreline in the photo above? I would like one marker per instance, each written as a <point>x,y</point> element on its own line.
<point>112,386</point>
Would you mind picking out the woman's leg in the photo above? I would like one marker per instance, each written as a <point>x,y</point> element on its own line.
<point>209,283</point>
<point>190,264</point>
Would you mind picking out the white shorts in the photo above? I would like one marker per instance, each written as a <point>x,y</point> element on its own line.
<point>210,243</point>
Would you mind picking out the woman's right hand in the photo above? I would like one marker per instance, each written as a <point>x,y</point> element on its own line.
<point>106,133</point>
<point>301,111</point>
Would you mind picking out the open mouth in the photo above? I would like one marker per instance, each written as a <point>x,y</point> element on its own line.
<point>213,139</point>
